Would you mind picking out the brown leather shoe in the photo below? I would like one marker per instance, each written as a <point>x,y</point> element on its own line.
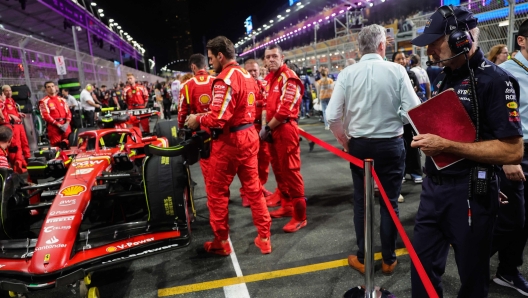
<point>388,269</point>
<point>355,264</point>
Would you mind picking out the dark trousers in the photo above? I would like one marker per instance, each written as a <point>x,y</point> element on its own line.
<point>441,220</point>
<point>389,162</point>
<point>305,107</point>
<point>511,230</point>
<point>166,109</point>
<point>413,164</point>
<point>89,118</point>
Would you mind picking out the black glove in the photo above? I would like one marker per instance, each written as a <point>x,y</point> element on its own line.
<point>265,132</point>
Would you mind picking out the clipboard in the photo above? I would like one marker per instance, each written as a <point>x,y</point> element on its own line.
<point>445,116</point>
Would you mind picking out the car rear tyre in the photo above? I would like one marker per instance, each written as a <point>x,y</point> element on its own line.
<point>168,130</point>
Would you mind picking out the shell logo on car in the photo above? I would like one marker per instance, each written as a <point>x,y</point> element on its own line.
<point>111,249</point>
<point>73,190</point>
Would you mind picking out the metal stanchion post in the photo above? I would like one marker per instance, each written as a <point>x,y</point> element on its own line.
<point>369,225</point>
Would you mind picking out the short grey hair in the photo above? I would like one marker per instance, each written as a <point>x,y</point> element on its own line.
<point>370,37</point>
<point>475,33</point>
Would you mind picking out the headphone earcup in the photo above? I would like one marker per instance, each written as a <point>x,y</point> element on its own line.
<point>460,40</point>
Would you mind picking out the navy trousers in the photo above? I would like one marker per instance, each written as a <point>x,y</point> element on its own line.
<point>511,230</point>
<point>442,220</point>
<point>389,164</point>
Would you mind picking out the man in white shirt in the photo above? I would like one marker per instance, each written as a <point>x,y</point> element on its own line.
<point>88,105</point>
<point>423,78</point>
<point>373,97</point>
<point>175,89</point>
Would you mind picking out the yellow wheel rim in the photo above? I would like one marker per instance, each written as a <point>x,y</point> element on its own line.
<point>88,279</point>
<point>12,294</point>
<point>93,293</point>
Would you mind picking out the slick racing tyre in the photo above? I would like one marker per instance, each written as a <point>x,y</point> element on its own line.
<point>166,181</point>
<point>169,130</point>
<point>73,138</point>
<point>69,84</point>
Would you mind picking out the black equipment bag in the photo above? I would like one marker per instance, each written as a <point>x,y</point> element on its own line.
<point>22,96</point>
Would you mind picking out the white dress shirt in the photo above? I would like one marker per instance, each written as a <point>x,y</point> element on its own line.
<point>370,99</point>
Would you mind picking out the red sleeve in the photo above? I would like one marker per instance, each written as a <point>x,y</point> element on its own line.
<point>3,162</point>
<point>183,109</point>
<point>222,107</point>
<point>290,97</point>
<point>145,94</point>
<point>5,115</point>
<point>45,112</point>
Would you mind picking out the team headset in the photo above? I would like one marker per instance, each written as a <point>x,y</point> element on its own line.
<point>460,41</point>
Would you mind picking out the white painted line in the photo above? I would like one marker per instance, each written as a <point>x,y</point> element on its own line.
<point>238,290</point>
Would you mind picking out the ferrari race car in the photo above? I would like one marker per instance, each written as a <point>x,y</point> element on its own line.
<point>113,196</point>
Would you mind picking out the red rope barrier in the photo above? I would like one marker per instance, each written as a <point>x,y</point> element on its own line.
<point>412,253</point>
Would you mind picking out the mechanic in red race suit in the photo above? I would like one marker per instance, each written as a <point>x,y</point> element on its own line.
<point>54,110</point>
<point>263,157</point>
<point>13,153</point>
<point>16,119</point>
<point>234,151</point>
<point>136,97</point>
<point>195,98</point>
<point>6,135</point>
<point>284,96</point>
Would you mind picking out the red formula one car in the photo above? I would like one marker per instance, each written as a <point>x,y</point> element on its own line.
<point>116,196</point>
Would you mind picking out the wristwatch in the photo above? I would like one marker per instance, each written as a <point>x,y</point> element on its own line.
<point>267,128</point>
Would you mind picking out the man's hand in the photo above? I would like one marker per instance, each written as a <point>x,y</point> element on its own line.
<point>514,172</point>
<point>64,127</point>
<point>431,145</point>
<point>192,123</point>
<point>15,118</point>
<point>264,133</point>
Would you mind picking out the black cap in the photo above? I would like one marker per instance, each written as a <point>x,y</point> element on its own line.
<point>456,17</point>
<point>523,29</point>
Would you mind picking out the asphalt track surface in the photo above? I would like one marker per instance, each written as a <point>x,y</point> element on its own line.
<point>308,263</point>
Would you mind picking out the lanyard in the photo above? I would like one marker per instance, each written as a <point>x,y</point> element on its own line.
<point>520,64</point>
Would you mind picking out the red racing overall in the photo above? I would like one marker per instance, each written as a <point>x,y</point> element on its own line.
<point>22,142</point>
<point>263,156</point>
<point>195,98</point>
<point>284,96</point>
<point>14,152</point>
<point>136,97</point>
<point>54,110</point>
<point>235,151</point>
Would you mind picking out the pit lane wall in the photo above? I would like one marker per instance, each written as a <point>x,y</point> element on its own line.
<point>25,59</point>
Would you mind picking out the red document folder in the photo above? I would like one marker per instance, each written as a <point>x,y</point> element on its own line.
<point>445,116</point>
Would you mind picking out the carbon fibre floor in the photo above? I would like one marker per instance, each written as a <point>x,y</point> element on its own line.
<point>309,263</point>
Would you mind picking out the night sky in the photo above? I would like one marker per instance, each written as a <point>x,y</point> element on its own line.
<point>209,18</point>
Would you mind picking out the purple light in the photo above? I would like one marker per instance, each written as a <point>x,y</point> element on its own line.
<point>295,30</point>
<point>341,11</point>
<point>304,27</point>
<point>320,20</point>
<point>309,25</point>
<point>333,14</point>
<point>314,23</point>
<point>327,18</point>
